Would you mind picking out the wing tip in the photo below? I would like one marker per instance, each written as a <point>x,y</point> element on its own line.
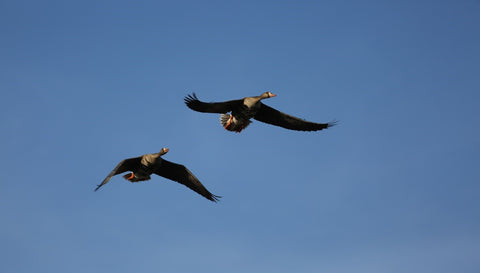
<point>332,123</point>
<point>214,198</point>
<point>190,98</point>
<point>320,126</point>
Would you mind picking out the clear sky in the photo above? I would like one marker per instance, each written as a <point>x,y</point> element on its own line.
<point>393,188</point>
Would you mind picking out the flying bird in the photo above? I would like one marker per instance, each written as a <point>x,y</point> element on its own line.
<point>140,168</point>
<point>243,110</point>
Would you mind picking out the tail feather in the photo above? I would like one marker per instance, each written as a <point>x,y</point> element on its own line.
<point>225,120</point>
<point>231,124</point>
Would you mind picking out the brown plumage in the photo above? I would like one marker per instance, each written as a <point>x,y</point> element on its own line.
<point>143,166</point>
<point>243,110</point>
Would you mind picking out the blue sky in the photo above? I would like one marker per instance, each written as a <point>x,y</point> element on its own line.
<point>393,188</point>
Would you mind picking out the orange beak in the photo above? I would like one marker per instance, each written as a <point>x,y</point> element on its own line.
<point>129,176</point>
<point>272,95</point>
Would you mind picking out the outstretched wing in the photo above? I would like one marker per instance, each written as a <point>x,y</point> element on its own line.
<point>272,116</point>
<point>123,166</point>
<point>210,107</point>
<point>182,175</point>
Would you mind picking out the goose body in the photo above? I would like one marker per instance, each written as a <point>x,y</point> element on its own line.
<point>242,110</point>
<point>141,168</point>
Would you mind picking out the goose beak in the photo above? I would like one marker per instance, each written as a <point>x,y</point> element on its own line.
<point>165,150</point>
<point>272,95</point>
<point>129,176</point>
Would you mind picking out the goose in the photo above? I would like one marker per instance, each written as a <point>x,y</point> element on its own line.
<point>243,110</point>
<point>143,166</point>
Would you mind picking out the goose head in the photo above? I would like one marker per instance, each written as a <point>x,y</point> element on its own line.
<point>267,95</point>
<point>164,151</point>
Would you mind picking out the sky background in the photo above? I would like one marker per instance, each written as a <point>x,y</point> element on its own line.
<point>393,188</point>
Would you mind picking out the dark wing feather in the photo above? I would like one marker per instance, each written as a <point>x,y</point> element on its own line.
<point>272,116</point>
<point>182,175</point>
<point>123,166</point>
<point>210,107</point>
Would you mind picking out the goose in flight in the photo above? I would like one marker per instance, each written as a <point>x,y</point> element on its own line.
<point>140,168</point>
<point>243,110</point>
